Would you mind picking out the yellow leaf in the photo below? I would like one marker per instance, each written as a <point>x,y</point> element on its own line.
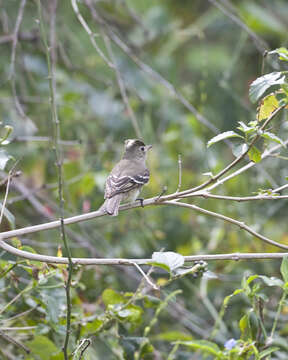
<point>59,251</point>
<point>267,106</point>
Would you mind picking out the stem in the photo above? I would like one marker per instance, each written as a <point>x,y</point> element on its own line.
<point>51,63</point>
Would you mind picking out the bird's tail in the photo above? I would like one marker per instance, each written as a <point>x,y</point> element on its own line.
<point>111,206</point>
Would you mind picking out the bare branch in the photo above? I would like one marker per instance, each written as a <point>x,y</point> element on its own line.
<point>242,225</point>
<point>131,262</point>
<point>90,33</point>
<point>13,341</point>
<point>260,44</point>
<point>123,89</point>
<point>147,69</point>
<point>179,173</point>
<point>155,287</point>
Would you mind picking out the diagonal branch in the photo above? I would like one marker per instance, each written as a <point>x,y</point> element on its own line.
<point>228,219</point>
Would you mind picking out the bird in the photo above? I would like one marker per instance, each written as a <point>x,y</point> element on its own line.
<point>127,177</point>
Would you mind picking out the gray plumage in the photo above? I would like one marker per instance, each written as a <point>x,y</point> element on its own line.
<point>127,177</point>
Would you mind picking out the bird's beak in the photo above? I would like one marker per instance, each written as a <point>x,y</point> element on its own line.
<point>148,147</point>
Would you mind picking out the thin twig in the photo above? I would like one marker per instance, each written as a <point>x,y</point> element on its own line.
<point>122,88</point>
<point>18,106</point>
<point>147,69</point>
<point>261,45</point>
<point>81,348</point>
<point>15,342</point>
<point>155,287</point>
<point>179,173</point>
<point>90,33</point>
<point>239,158</point>
<point>241,224</point>
<point>6,196</point>
<point>51,63</point>
<point>207,195</point>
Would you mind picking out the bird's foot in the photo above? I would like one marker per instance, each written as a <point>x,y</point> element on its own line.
<point>141,201</point>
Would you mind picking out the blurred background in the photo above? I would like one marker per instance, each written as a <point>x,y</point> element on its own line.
<point>203,53</point>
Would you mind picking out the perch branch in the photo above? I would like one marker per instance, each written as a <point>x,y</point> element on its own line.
<point>132,262</point>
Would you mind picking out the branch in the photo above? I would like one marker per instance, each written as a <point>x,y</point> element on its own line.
<point>51,63</point>
<point>132,262</point>
<point>242,225</point>
<point>239,158</point>
<point>261,45</point>
<point>123,89</point>
<point>90,33</point>
<point>147,69</point>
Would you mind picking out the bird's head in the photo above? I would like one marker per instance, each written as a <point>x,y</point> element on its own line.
<point>135,149</point>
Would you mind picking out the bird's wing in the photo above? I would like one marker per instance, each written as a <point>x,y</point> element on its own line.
<point>116,184</point>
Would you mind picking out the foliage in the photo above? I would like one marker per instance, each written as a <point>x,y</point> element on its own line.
<point>178,72</point>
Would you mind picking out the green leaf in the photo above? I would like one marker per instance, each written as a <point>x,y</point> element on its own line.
<point>202,345</point>
<point>268,351</point>
<point>281,52</point>
<point>222,136</point>
<point>173,335</point>
<point>270,136</point>
<point>8,129</point>
<point>86,184</point>
<point>263,83</point>
<point>111,297</point>
<point>244,326</point>
<point>132,313</point>
<point>284,269</point>
<point>41,347</point>
<point>168,260</point>
<point>131,345</point>
<point>267,106</point>
<point>91,327</point>
<point>151,301</point>
<point>4,158</point>
<point>271,281</point>
<point>254,154</point>
<point>246,129</point>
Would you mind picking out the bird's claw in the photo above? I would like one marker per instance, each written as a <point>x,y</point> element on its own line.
<point>141,201</point>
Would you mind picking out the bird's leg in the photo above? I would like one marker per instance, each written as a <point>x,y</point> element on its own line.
<point>141,201</point>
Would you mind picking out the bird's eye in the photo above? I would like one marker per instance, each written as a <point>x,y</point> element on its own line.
<point>142,148</point>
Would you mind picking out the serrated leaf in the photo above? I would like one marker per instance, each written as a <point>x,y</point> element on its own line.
<point>254,154</point>
<point>263,83</point>
<point>267,106</point>
<point>223,136</point>
<point>169,259</point>
<point>270,136</point>
<point>281,52</point>
<point>284,269</point>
